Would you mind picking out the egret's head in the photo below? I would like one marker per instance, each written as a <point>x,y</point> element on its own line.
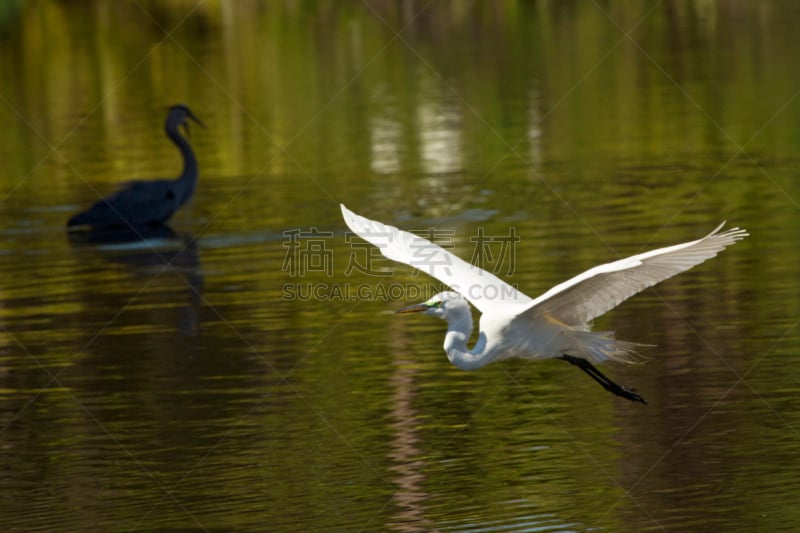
<point>441,305</point>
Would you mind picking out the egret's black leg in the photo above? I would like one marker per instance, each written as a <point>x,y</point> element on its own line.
<point>606,383</point>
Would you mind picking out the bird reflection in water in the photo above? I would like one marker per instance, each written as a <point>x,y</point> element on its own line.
<point>149,253</point>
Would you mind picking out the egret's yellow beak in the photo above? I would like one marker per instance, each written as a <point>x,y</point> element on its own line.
<point>416,308</point>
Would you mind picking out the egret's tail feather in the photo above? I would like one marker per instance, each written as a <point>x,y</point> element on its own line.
<point>601,346</point>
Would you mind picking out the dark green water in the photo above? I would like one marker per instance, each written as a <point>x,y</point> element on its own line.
<point>251,381</point>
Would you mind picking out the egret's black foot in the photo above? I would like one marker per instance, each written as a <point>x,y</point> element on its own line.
<point>602,379</point>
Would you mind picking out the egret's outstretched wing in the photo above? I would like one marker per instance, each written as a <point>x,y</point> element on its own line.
<point>588,295</point>
<point>483,289</point>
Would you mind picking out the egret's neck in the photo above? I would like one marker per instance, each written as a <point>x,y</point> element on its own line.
<point>189,174</point>
<point>459,328</point>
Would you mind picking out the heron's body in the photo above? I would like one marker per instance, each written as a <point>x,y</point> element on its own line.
<point>146,203</point>
<point>554,325</point>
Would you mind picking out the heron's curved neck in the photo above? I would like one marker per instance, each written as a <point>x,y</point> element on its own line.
<point>459,328</point>
<point>189,173</point>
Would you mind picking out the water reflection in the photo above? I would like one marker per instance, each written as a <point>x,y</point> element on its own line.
<point>385,145</point>
<point>439,128</point>
<point>406,452</point>
<point>124,237</point>
<point>256,412</point>
<point>534,133</point>
<point>149,252</point>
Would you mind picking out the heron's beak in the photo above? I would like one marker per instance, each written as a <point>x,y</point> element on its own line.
<point>416,308</point>
<point>186,124</point>
<point>191,116</point>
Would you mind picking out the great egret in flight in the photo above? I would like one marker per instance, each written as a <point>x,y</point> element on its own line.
<point>554,325</point>
<point>147,203</point>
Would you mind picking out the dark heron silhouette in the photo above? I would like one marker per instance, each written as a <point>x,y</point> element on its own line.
<point>148,203</point>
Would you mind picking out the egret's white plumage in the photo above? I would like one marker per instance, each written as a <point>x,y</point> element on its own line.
<point>554,325</point>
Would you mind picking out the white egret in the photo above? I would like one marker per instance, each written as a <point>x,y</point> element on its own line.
<point>554,325</point>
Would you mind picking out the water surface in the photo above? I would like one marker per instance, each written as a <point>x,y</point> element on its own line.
<point>190,382</point>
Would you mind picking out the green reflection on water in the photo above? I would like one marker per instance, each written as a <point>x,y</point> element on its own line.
<point>199,396</point>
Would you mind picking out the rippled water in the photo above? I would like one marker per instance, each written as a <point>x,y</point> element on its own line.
<point>243,373</point>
